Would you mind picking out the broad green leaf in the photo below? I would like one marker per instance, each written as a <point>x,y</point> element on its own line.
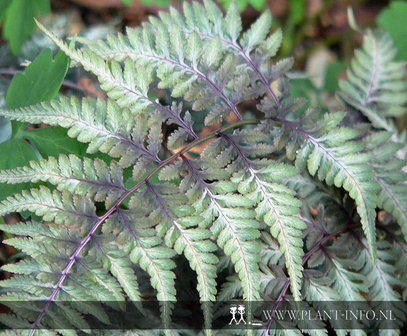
<point>19,22</point>
<point>297,10</point>
<point>3,8</point>
<point>333,71</point>
<point>242,4</point>
<point>17,128</point>
<point>52,141</point>
<point>303,87</point>
<point>159,3</point>
<point>393,19</point>
<point>15,153</point>
<point>40,81</point>
<point>257,4</point>
<point>44,6</point>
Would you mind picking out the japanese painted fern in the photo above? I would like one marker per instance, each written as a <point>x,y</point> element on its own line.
<point>241,198</point>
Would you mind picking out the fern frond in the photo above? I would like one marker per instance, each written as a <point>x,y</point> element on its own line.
<point>401,250</point>
<point>255,47</point>
<point>127,87</point>
<point>276,205</point>
<point>322,295</point>
<point>189,66</point>
<point>389,175</point>
<point>382,275</point>
<point>146,250</point>
<point>375,83</point>
<point>178,226</point>
<point>354,272</point>
<point>103,125</point>
<point>87,177</point>
<point>61,207</point>
<point>319,290</point>
<point>344,274</point>
<point>122,269</point>
<point>333,154</point>
<point>234,226</point>
<point>43,236</point>
<point>270,253</point>
<point>45,245</point>
<point>172,68</point>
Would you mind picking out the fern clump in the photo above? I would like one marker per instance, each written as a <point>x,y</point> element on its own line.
<point>281,203</point>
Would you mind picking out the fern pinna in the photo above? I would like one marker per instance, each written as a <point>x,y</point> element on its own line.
<point>242,205</point>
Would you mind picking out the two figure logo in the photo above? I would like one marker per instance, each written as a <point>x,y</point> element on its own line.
<point>237,310</point>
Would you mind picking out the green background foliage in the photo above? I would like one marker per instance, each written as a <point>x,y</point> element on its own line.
<point>19,17</point>
<point>40,81</point>
<point>392,20</point>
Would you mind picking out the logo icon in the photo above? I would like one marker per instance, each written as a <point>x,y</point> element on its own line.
<point>237,310</point>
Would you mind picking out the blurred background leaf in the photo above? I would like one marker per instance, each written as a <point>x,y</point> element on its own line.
<point>19,22</point>
<point>40,81</point>
<point>52,141</point>
<point>393,19</point>
<point>16,152</point>
<point>256,4</point>
<point>5,129</point>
